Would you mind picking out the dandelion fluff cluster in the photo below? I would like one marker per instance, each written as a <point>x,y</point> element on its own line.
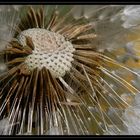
<point>66,70</point>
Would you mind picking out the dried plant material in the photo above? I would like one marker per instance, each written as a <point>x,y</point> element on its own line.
<point>61,72</point>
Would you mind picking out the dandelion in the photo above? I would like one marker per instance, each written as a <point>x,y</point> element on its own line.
<point>61,74</point>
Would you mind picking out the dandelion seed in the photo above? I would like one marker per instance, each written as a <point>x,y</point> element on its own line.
<point>59,77</point>
<point>131,16</point>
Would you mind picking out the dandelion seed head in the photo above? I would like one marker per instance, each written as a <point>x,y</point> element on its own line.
<point>85,44</point>
<point>52,51</point>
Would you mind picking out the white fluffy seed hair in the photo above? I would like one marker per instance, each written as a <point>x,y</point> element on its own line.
<point>131,16</point>
<point>8,20</point>
<point>131,119</point>
<point>109,28</point>
<point>4,126</point>
<point>108,25</point>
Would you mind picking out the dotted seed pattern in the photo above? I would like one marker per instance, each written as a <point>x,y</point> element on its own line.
<point>51,51</point>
